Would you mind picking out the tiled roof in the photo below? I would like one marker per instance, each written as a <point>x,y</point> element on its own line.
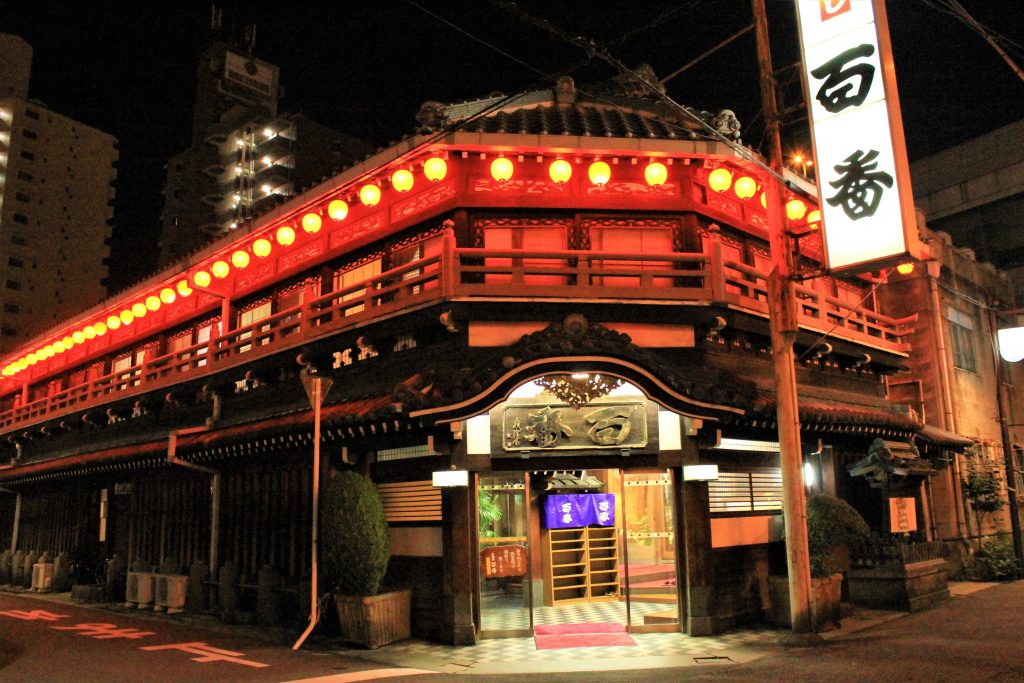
<point>577,119</point>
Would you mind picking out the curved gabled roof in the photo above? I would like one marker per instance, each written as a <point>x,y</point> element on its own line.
<point>616,108</point>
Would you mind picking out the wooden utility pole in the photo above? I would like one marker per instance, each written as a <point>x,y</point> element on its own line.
<point>783,322</point>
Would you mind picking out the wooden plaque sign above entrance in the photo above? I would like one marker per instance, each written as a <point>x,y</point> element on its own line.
<point>615,425</point>
<point>503,561</point>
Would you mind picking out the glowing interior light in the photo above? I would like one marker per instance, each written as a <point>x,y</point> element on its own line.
<point>311,223</point>
<point>167,295</point>
<point>402,180</point>
<point>89,331</point>
<point>183,288</point>
<point>240,259</point>
<point>655,174</point>
<point>285,235</point>
<point>48,350</point>
<point>435,169</point>
<point>68,342</point>
<point>560,171</point>
<point>113,322</point>
<point>338,210</point>
<point>139,309</point>
<point>745,187</point>
<point>220,269</point>
<point>31,359</point>
<point>502,169</point>
<point>78,337</point>
<point>905,268</point>
<point>720,179</point>
<point>153,303</point>
<point>201,278</point>
<point>795,209</point>
<point>101,329</point>
<point>127,317</point>
<point>369,194</point>
<point>599,173</point>
<point>764,201</point>
<point>267,189</point>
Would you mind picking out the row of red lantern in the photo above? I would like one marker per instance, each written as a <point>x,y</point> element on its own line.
<point>560,171</point>
<point>745,187</point>
<point>435,169</point>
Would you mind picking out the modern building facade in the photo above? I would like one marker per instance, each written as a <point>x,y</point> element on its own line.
<point>564,297</point>
<point>244,157</point>
<point>56,206</point>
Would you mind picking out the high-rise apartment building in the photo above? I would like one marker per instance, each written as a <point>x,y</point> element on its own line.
<point>244,157</point>
<point>56,206</point>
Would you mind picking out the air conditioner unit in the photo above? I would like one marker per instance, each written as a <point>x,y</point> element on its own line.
<point>42,577</point>
<point>170,593</point>
<point>139,591</point>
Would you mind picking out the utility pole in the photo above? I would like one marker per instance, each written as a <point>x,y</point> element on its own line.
<point>783,322</point>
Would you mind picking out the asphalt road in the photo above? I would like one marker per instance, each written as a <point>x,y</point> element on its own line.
<point>43,641</point>
<point>977,637</point>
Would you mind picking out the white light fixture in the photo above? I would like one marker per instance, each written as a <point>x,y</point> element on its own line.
<point>1011,344</point>
<point>700,472</point>
<point>450,478</point>
<point>809,477</point>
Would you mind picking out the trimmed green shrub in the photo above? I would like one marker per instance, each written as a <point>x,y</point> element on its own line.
<point>354,542</point>
<point>996,560</point>
<point>831,523</point>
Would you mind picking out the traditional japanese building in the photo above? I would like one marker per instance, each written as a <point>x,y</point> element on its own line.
<point>563,294</point>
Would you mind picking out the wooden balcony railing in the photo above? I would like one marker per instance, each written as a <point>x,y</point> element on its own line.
<point>468,274</point>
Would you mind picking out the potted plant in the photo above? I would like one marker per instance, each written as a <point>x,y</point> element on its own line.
<point>832,527</point>
<point>354,553</point>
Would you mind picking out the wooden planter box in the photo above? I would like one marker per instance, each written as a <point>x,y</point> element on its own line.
<point>826,595</point>
<point>375,620</point>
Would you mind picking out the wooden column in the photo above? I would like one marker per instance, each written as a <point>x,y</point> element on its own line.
<point>459,587</point>
<point>698,563</point>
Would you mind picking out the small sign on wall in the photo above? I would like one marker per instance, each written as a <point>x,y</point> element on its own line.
<point>902,515</point>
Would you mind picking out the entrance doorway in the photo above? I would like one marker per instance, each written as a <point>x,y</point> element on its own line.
<point>577,547</point>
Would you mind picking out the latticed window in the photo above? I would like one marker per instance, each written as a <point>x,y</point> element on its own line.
<point>961,339</point>
<point>747,490</point>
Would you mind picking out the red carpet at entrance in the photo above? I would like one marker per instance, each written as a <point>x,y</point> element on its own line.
<point>559,636</point>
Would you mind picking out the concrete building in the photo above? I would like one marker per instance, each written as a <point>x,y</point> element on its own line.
<point>244,157</point>
<point>56,206</point>
<point>974,191</point>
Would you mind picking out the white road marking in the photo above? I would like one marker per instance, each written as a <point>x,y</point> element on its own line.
<point>368,675</point>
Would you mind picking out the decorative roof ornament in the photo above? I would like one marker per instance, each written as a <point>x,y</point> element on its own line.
<point>579,389</point>
<point>431,117</point>
<point>565,90</point>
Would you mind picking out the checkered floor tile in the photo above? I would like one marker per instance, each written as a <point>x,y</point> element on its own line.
<point>497,650</point>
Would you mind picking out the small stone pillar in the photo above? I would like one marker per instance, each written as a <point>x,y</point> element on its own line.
<point>18,567</point>
<point>116,578</point>
<point>61,573</point>
<point>268,601</point>
<point>5,567</point>
<point>30,559</point>
<point>195,599</point>
<point>227,593</point>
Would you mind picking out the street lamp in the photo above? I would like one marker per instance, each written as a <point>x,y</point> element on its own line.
<point>1011,349</point>
<point>803,162</point>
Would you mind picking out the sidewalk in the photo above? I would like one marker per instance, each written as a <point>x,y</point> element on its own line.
<point>520,655</point>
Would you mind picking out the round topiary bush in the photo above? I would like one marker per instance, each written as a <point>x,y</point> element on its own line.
<point>831,523</point>
<point>354,542</point>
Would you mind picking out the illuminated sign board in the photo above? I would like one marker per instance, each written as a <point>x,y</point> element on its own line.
<point>863,177</point>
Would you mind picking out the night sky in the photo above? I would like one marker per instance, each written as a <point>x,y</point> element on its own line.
<point>364,68</point>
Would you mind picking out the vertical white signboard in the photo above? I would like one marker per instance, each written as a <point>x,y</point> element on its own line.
<point>863,177</point>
